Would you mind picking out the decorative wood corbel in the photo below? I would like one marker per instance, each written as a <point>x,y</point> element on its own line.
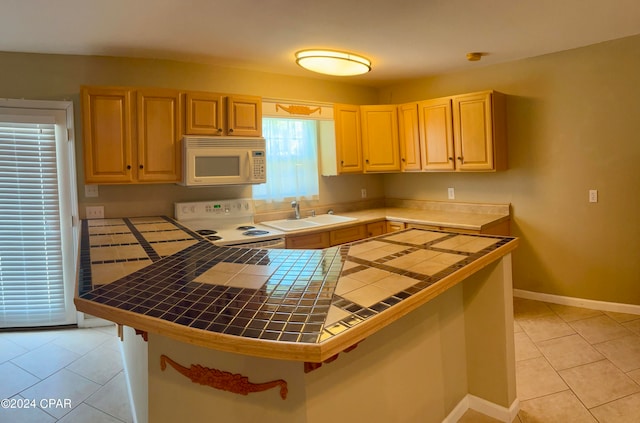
<point>142,333</point>
<point>309,366</point>
<point>225,381</point>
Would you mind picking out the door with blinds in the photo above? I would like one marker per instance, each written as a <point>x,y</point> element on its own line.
<point>38,202</point>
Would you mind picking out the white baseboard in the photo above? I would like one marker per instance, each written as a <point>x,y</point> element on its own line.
<point>578,302</point>
<point>485,407</point>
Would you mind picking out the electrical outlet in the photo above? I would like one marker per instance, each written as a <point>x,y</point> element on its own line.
<point>91,191</point>
<point>95,212</point>
<point>451,194</point>
<point>593,195</point>
<point>363,193</point>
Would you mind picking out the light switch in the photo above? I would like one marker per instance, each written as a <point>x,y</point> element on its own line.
<point>451,194</point>
<point>593,195</point>
<point>91,191</point>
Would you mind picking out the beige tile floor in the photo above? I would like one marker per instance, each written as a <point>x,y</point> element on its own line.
<point>574,365</point>
<point>80,366</point>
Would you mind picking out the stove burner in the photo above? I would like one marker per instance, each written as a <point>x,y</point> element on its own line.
<point>245,228</point>
<point>255,232</point>
<point>213,238</point>
<point>205,232</point>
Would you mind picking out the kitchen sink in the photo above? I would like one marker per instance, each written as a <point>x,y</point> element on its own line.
<point>330,219</point>
<point>308,222</point>
<point>290,224</point>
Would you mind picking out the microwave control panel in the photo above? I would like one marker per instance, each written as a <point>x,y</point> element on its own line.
<point>259,165</point>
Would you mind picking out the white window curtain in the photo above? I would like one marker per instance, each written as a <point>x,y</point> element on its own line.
<point>36,241</point>
<point>292,160</point>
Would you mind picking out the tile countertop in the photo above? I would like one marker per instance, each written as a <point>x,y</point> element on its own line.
<point>158,276</point>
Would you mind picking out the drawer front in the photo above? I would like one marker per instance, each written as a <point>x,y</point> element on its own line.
<point>353,233</point>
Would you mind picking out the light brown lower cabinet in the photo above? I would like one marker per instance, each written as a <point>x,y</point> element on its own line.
<point>349,234</point>
<point>377,228</point>
<point>309,241</point>
<point>393,226</point>
<point>327,238</point>
<point>357,232</point>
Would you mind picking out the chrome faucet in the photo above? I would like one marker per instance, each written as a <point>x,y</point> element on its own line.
<point>296,205</point>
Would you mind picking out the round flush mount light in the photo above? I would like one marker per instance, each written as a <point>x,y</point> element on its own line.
<point>333,62</point>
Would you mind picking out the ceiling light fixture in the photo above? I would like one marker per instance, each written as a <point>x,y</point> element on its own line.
<point>333,62</point>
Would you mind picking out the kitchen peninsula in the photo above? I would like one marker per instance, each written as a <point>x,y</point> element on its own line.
<point>414,325</point>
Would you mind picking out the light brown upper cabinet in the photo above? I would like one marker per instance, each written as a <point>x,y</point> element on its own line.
<point>131,135</point>
<point>244,116</point>
<point>479,131</point>
<point>380,144</point>
<point>411,149</point>
<point>203,113</point>
<point>464,133</point>
<point>436,132</point>
<point>220,114</point>
<point>348,138</point>
<point>107,133</point>
<point>159,158</point>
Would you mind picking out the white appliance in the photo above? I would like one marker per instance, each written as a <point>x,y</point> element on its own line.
<point>229,223</point>
<point>223,161</point>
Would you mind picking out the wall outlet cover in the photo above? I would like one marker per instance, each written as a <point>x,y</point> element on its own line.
<point>451,193</point>
<point>95,212</point>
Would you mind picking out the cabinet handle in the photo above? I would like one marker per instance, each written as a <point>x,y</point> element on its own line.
<point>141,167</point>
<point>128,167</point>
<point>450,159</point>
<point>219,130</point>
<point>230,130</point>
<point>366,161</point>
<point>460,158</point>
<point>404,160</point>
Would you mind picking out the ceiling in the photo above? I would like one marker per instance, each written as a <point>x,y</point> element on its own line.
<point>403,38</point>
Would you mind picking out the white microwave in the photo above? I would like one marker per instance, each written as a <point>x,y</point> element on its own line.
<point>223,161</point>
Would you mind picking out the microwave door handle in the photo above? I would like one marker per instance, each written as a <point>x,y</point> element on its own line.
<point>250,164</point>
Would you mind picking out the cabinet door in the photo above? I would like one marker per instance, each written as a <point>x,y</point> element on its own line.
<point>348,138</point>
<point>106,120</point>
<point>394,226</point>
<point>380,138</point>
<point>244,116</point>
<point>352,233</point>
<point>158,119</point>
<point>473,131</point>
<point>203,114</point>
<point>436,132</point>
<point>377,228</point>
<point>411,150</point>
<point>315,240</point>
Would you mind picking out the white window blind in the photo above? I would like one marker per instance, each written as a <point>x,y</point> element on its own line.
<point>31,262</point>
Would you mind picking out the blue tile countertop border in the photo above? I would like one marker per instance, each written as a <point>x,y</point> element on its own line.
<point>291,305</point>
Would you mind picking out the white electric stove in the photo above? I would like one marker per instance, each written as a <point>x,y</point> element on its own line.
<point>228,222</point>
